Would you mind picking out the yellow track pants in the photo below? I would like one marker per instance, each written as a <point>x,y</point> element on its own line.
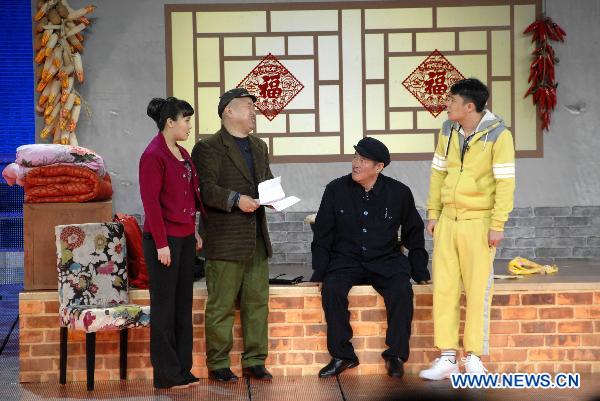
<point>461,254</point>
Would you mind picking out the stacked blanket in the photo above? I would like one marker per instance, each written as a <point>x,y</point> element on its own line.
<point>62,183</point>
<point>59,173</point>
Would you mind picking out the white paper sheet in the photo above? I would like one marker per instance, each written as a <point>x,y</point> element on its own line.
<point>270,193</point>
<point>284,203</point>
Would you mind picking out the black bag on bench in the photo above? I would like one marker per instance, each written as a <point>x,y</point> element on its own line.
<point>280,280</point>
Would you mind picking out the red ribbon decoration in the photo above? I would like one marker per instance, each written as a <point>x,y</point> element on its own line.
<point>541,72</point>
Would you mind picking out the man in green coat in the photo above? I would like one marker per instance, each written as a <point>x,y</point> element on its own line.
<point>230,164</point>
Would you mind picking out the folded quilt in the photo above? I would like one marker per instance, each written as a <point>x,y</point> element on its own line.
<point>42,154</point>
<point>15,174</point>
<point>62,183</point>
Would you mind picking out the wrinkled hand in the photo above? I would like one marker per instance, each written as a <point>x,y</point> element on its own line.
<point>431,226</point>
<point>495,238</point>
<point>164,256</point>
<point>198,242</point>
<point>247,204</point>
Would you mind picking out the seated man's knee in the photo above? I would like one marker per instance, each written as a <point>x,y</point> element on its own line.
<point>334,288</point>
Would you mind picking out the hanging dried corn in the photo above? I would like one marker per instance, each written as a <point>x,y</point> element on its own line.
<point>58,43</point>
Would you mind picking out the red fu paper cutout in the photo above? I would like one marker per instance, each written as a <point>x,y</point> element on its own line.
<point>430,82</point>
<point>273,85</point>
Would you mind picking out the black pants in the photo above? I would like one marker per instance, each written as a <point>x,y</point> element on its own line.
<point>171,297</point>
<point>397,294</point>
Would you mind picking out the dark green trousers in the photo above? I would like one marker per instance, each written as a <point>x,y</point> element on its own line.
<point>225,280</point>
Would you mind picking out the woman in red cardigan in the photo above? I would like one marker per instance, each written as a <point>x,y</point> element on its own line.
<point>171,198</point>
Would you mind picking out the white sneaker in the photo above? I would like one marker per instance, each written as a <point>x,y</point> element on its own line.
<point>473,364</point>
<point>440,369</point>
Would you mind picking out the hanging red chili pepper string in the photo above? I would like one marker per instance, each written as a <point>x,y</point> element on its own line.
<point>541,72</point>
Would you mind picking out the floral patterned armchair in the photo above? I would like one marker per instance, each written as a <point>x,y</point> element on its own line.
<point>92,289</point>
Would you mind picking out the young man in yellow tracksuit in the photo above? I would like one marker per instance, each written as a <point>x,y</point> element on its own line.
<point>470,197</point>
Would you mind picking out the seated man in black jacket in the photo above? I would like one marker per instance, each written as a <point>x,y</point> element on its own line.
<point>356,242</point>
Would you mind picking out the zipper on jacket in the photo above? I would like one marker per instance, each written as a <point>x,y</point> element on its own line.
<point>464,149</point>
<point>457,181</point>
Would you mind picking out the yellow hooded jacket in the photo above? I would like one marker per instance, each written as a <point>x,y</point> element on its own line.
<point>476,179</point>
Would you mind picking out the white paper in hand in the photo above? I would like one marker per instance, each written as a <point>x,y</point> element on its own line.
<point>284,203</point>
<point>270,193</point>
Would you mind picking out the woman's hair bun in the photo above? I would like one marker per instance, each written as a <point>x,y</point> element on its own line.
<point>155,107</point>
<point>160,110</point>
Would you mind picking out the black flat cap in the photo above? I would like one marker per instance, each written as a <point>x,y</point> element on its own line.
<point>230,95</point>
<point>373,149</point>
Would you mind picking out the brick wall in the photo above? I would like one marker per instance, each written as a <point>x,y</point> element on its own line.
<point>551,330</point>
<point>546,234</point>
<point>541,233</point>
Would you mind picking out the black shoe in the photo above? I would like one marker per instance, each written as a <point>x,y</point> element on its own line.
<point>258,372</point>
<point>337,366</point>
<point>176,386</point>
<point>222,375</point>
<point>395,367</point>
<point>193,380</point>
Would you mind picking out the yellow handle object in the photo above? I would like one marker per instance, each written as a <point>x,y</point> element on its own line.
<point>522,266</point>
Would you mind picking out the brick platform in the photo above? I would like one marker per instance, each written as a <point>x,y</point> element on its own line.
<point>536,327</point>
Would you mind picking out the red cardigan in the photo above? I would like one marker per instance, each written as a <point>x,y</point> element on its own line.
<point>166,193</point>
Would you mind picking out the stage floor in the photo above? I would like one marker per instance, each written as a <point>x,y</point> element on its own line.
<point>350,388</point>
